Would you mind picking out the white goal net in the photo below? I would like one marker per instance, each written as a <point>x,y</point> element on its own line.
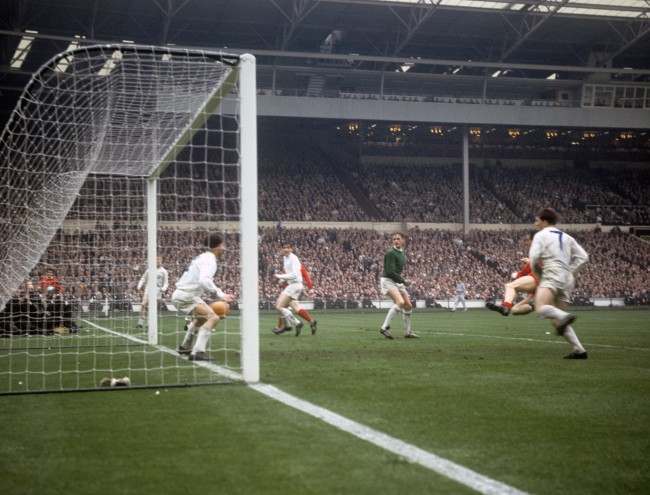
<point>118,160</point>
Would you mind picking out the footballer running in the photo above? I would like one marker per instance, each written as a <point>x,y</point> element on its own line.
<point>556,257</point>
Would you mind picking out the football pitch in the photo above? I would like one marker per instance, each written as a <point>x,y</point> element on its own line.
<point>492,394</point>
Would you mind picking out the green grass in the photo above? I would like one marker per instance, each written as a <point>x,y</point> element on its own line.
<point>472,389</point>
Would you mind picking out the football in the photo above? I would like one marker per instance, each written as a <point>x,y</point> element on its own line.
<point>222,308</point>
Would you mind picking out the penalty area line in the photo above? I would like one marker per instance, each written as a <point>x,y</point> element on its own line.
<point>449,469</point>
<point>528,339</point>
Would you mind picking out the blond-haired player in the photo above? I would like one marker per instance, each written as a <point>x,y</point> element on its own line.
<point>292,277</point>
<point>392,284</point>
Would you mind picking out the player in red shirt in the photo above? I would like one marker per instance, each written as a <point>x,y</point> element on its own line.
<point>50,281</point>
<point>297,307</point>
<point>524,281</point>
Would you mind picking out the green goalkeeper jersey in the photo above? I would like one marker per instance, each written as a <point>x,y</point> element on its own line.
<point>394,261</point>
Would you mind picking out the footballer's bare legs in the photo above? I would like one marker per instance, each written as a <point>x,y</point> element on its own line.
<point>523,307</point>
<point>545,300</point>
<point>401,304</point>
<point>522,284</point>
<point>143,312</point>
<point>282,306</point>
<point>305,315</point>
<point>398,303</point>
<point>407,311</point>
<point>210,321</point>
<point>190,331</point>
<point>571,337</point>
<point>545,305</point>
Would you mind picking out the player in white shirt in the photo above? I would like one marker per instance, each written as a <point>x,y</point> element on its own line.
<point>460,296</point>
<point>195,283</point>
<point>556,257</point>
<point>162,283</point>
<point>292,276</point>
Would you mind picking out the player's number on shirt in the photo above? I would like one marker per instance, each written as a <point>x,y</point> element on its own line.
<point>559,234</point>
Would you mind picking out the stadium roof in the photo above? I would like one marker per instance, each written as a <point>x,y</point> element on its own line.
<point>601,8</point>
<point>571,33</point>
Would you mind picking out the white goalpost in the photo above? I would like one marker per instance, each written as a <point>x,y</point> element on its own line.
<point>119,159</point>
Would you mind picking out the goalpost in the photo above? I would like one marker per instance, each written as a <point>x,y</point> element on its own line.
<point>116,155</point>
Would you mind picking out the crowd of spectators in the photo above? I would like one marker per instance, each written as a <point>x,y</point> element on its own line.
<point>106,264</point>
<point>431,194</point>
<point>304,190</point>
<point>299,185</point>
<point>502,195</point>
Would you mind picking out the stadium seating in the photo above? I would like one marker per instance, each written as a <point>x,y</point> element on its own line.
<point>346,264</point>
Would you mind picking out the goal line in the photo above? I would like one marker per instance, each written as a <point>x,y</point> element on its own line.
<point>449,469</point>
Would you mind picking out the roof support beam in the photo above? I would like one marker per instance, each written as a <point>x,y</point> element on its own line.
<point>370,58</point>
<point>300,9</point>
<point>169,10</point>
<point>540,7</point>
<point>528,25</point>
<point>633,33</point>
<point>418,14</point>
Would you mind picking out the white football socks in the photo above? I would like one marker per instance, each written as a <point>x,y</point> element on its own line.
<point>572,339</point>
<point>202,340</point>
<point>406,318</point>
<point>189,335</point>
<point>391,314</point>
<point>289,317</point>
<point>551,312</point>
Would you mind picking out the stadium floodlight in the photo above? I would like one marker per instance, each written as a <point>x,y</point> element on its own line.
<point>125,154</point>
<point>22,50</point>
<point>110,64</point>
<point>64,62</point>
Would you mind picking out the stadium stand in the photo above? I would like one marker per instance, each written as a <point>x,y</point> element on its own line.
<point>346,264</point>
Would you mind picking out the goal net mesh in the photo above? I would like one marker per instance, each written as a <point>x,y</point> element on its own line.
<point>89,129</point>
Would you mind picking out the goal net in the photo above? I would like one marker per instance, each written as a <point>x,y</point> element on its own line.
<point>118,160</point>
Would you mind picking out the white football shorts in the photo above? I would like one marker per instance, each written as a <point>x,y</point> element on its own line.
<point>186,302</point>
<point>293,290</point>
<point>561,282</point>
<point>385,284</point>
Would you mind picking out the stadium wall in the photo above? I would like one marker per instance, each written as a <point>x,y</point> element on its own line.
<point>453,113</point>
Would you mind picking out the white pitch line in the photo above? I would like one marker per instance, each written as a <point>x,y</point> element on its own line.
<point>465,476</point>
<point>527,339</point>
<point>232,375</point>
<point>416,455</point>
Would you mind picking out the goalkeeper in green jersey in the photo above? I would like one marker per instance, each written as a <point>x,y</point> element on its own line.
<point>394,285</point>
